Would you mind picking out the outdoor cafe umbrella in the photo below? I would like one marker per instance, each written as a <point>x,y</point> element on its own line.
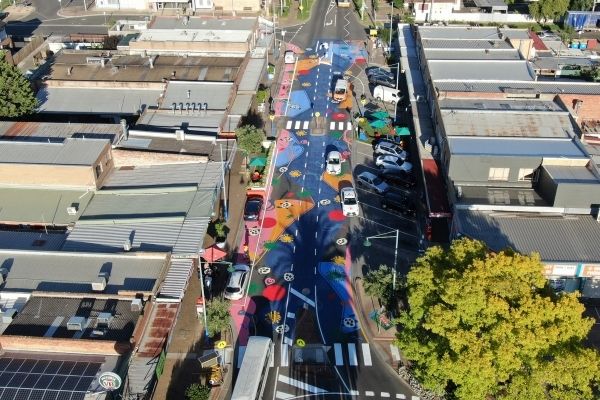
<point>378,124</point>
<point>258,162</point>
<point>402,131</point>
<point>381,115</point>
<point>213,253</point>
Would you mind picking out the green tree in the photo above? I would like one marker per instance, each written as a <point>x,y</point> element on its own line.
<point>398,4</point>
<point>17,98</point>
<point>581,5</point>
<point>488,325</point>
<point>217,316</point>
<point>250,139</point>
<point>379,283</point>
<point>197,391</point>
<point>544,10</point>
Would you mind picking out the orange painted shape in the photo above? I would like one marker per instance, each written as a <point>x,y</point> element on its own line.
<point>337,181</point>
<point>286,216</point>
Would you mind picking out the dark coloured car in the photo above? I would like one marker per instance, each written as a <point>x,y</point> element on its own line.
<point>401,179</point>
<point>384,80</point>
<point>398,203</point>
<point>370,71</point>
<point>253,208</point>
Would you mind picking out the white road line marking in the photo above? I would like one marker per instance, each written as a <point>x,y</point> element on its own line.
<point>315,235</point>
<point>284,355</point>
<point>353,360</point>
<point>349,126</point>
<point>305,166</point>
<point>297,125</point>
<point>385,394</point>
<point>401,396</point>
<point>294,249</point>
<point>305,126</point>
<point>291,315</point>
<point>332,125</point>
<point>301,296</point>
<point>354,393</point>
<point>283,396</point>
<point>395,352</point>
<point>296,234</point>
<point>292,267</point>
<point>300,385</point>
<point>368,393</point>
<point>241,352</point>
<point>415,398</point>
<point>366,353</point>
<point>272,360</point>
<point>323,145</point>
<point>315,252</point>
<point>339,357</point>
<point>288,125</point>
<point>341,126</point>
<point>287,340</point>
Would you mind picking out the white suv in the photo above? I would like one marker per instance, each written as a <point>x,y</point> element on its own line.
<point>349,202</point>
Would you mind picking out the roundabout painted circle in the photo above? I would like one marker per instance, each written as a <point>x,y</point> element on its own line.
<point>288,277</point>
<point>274,292</point>
<point>336,215</point>
<point>282,328</point>
<point>264,270</point>
<point>342,241</point>
<point>339,116</point>
<point>269,222</point>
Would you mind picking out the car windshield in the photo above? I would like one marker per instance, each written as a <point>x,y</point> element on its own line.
<point>340,90</point>
<point>377,181</point>
<point>252,206</point>
<point>230,289</point>
<point>334,161</point>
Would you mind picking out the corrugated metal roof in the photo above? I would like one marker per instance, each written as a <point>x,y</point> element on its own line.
<point>465,44</point>
<point>74,272</point>
<point>571,174</point>
<point>39,206</point>
<point>472,54</point>
<point>58,130</point>
<point>191,236</point>
<point>492,70</point>
<point>205,175</point>
<point>458,32</point>
<point>118,101</point>
<point>19,240</point>
<point>215,94</point>
<point>198,122</point>
<point>252,74</point>
<point>177,278</point>
<point>510,146</point>
<point>69,152</point>
<point>165,22</point>
<point>571,238</point>
<point>557,63</point>
<point>556,87</point>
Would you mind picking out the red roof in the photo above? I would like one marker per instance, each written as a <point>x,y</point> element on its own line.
<point>437,199</point>
<point>538,43</point>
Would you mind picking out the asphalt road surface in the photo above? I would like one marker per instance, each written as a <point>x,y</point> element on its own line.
<point>304,248</point>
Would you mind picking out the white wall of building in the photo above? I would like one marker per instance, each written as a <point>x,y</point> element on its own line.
<point>122,4</point>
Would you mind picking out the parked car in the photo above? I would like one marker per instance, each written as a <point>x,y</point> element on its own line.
<point>387,94</point>
<point>397,140</point>
<point>349,202</point>
<point>398,179</point>
<point>393,163</point>
<point>384,80</point>
<point>334,163</point>
<point>254,205</point>
<point>371,71</point>
<point>398,203</point>
<point>372,181</point>
<point>289,57</point>
<point>389,149</point>
<point>238,280</point>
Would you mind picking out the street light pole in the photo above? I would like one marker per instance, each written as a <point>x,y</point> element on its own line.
<point>226,213</point>
<point>203,297</point>
<point>367,243</point>
<point>272,118</point>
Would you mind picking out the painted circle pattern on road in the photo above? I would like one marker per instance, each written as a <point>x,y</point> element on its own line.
<point>325,202</point>
<point>269,280</point>
<point>336,215</point>
<point>274,317</point>
<point>349,322</point>
<point>274,292</point>
<point>264,270</point>
<point>339,116</point>
<point>282,328</point>
<point>286,238</point>
<point>342,241</point>
<point>300,343</point>
<point>306,84</point>
<point>269,222</point>
<point>285,204</point>
<point>221,344</point>
<point>253,231</point>
<point>295,173</point>
<point>288,277</point>
<point>283,170</point>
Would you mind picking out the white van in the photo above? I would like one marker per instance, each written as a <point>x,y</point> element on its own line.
<point>340,91</point>
<point>387,94</point>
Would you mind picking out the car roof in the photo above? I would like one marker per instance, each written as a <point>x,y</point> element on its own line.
<point>348,192</point>
<point>241,267</point>
<point>368,174</point>
<point>334,153</point>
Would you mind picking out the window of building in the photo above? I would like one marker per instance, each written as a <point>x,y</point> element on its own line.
<point>526,174</point>
<point>496,196</point>
<point>498,174</point>
<point>98,170</point>
<point>526,198</point>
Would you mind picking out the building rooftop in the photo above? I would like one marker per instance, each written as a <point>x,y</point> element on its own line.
<point>193,35</point>
<point>41,206</point>
<point>69,152</point>
<point>458,32</point>
<point>48,317</point>
<point>168,144</point>
<point>30,376</point>
<point>76,66</point>
<point>71,272</point>
<point>215,24</point>
<point>557,238</point>
<point>197,123</point>
<point>484,70</point>
<point>449,44</point>
<point>511,146</point>
<point>472,54</point>
<point>215,95</point>
<point>513,34</point>
<point>121,101</point>
<point>510,105</point>
<point>58,131</point>
<point>571,174</point>
<point>203,175</point>
<point>497,86</point>
<point>31,240</point>
<point>556,63</point>
<point>503,196</point>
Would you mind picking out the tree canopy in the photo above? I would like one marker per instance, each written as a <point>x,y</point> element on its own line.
<point>217,316</point>
<point>581,5</point>
<point>197,391</point>
<point>17,97</point>
<point>488,325</point>
<point>544,10</point>
<point>379,283</point>
<point>250,139</point>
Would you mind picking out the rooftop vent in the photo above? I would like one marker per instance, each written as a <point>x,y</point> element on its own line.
<point>103,320</point>
<point>8,315</point>
<point>72,210</point>
<point>76,323</point>
<point>99,284</point>
<point>136,305</point>
<point>127,245</point>
<point>180,134</point>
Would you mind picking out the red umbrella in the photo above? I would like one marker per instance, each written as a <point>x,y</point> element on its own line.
<point>213,253</point>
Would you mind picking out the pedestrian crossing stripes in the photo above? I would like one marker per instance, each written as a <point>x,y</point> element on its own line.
<point>395,352</point>
<point>340,126</point>
<point>296,125</point>
<point>353,354</point>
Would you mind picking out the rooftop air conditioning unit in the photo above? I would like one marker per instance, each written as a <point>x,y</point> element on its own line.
<point>76,323</point>
<point>180,134</point>
<point>127,245</point>
<point>136,305</point>
<point>8,315</point>
<point>72,210</point>
<point>99,284</point>
<point>97,333</point>
<point>104,319</point>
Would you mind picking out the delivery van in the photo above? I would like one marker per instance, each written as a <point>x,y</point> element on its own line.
<point>387,94</point>
<point>340,91</point>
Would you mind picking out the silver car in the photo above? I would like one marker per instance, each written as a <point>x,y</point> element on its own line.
<point>372,181</point>
<point>393,163</point>
<point>238,280</point>
<point>387,148</point>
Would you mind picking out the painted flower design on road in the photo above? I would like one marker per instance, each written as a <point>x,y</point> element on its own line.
<point>295,173</point>
<point>338,260</point>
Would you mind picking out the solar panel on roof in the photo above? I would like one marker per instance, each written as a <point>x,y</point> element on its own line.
<point>50,395</point>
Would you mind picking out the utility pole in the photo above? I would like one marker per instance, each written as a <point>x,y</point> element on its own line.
<point>391,25</point>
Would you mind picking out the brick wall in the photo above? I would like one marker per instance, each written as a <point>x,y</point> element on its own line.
<point>588,110</point>
<point>55,345</point>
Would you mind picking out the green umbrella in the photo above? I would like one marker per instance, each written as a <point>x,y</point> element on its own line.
<point>402,131</point>
<point>378,123</point>
<point>258,162</point>
<point>381,115</point>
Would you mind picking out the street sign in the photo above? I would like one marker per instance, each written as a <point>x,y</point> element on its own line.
<point>110,381</point>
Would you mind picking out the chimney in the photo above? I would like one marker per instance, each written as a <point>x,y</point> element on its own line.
<point>69,70</point>
<point>189,92</point>
<point>180,134</point>
<point>125,129</point>
<point>173,74</point>
<point>151,61</point>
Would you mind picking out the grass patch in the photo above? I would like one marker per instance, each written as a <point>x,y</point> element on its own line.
<point>306,7</point>
<point>4,4</point>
